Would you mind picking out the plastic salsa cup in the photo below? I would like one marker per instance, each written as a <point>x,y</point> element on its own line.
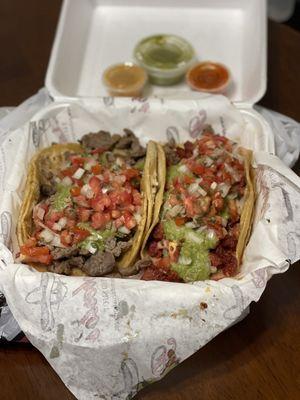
<point>208,77</point>
<point>125,79</point>
<point>166,58</point>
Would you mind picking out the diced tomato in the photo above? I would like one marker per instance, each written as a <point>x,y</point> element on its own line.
<point>96,169</point>
<point>164,262</point>
<point>81,201</point>
<point>53,215</point>
<point>115,214</point>
<point>49,224</point>
<point>174,254</point>
<point>130,221</point>
<point>101,202</point>
<point>84,214</point>
<point>78,161</point>
<point>173,200</point>
<point>179,221</point>
<point>95,185</point>
<point>78,182</point>
<point>69,171</point>
<point>188,179</point>
<point>79,234</point>
<point>37,254</point>
<point>130,173</point>
<point>153,273</point>
<point>218,201</point>
<point>75,191</point>
<point>137,198</point>
<point>119,221</point>
<point>215,260</point>
<point>153,250</point>
<point>106,176</point>
<point>66,238</point>
<point>190,204</point>
<point>99,150</point>
<point>195,167</point>
<point>99,220</point>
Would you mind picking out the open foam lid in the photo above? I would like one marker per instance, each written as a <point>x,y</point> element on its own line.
<point>94,34</point>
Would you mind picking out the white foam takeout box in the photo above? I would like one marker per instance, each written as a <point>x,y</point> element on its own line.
<point>93,34</point>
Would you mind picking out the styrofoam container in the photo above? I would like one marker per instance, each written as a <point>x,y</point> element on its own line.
<point>93,34</point>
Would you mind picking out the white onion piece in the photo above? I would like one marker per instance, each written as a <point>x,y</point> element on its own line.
<point>56,227</point>
<point>67,181</point>
<point>62,222</point>
<point>124,230</point>
<point>194,237</point>
<point>176,210</point>
<point>232,172</point>
<point>184,260</point>
<point>79,173</point>
<point>190,224</point>
<point>183,168</point>
<point>40,213</point>
<point>224,188</point>
<point>207,161</point>
<point>213,186</point>
<point>56,237</point>
<point>89,164</point>
<point>211,234</point>
<point>87,191</point>
<point>56,241</point>
<point>193,188</point>
<point>213,269</point>
<point>202,191</point>
<point>92,249</point>
<point>47,235</point>
<point>120,161</point>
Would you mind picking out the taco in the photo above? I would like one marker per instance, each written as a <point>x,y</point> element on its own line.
<point>202,219</point>
<point>85,208</point>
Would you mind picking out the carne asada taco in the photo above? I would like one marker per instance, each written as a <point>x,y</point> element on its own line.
<point>202,221</point>
<point>85,206</point>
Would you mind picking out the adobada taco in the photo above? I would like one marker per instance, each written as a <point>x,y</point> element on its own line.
<point>85,207</point>
<point>202,220</point>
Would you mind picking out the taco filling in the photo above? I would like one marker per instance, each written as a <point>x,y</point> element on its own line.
<point>89,210</point>
<point>200,217</point>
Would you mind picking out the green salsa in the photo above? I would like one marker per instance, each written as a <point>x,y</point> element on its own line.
<point>193,263</point>
<point>61,198</point>
<point>96,239</point>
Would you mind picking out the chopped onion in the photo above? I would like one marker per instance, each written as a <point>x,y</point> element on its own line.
<point>105,189</point>
<point>62,222</point>
<point>47,235</point>
<point>240,204</point>
<point>194,237</point>
<point>124,230</point>
<point>119,161</point>
<point>193,188</point>
<point>56,241</point>
<point>56,227</point>
<point>87,191</point>
<point>57,179</point>
<point>213,269</point>
<point>176,210</point>
<point>213,186</point>
<point>190,225</point>
<point>67,181</point>
<point>40,213</point>
<point>183,168</point>
<point>91,248</point>
<point>184,260</point>
<point>211,234</point>
<point>89,164</point>
<point>79,173</point>
<point>202,191</point>
<point>207,161</point>
<point>224,189</point>
<point>232,172</point>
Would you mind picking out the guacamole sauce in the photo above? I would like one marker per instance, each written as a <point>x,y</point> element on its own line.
<point>193,262</point>
<point>96,239</point>
<point>61,197</point>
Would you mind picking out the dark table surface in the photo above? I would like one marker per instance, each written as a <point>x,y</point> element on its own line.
<point>257,359</point>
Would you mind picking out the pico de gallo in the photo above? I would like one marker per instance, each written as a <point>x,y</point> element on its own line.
<point>93,209</point>
<point>197,235</point>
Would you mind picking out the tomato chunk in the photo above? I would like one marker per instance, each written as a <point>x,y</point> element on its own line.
<point>99,220</point>
<point>37,254</point>
<point>79,234</point>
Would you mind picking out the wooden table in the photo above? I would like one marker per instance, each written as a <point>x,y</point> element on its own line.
<point>257,359</point>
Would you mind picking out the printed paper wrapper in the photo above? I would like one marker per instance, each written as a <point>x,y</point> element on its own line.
<point>107,338</point>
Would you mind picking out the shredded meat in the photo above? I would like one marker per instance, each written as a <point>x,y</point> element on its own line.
<point>99,264</point>
<point>60,253</point>
<point>131,143</point>
<point>65,266</point>
<point>117,248</point>
<point>100,139</point>
<point>171,154</point>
